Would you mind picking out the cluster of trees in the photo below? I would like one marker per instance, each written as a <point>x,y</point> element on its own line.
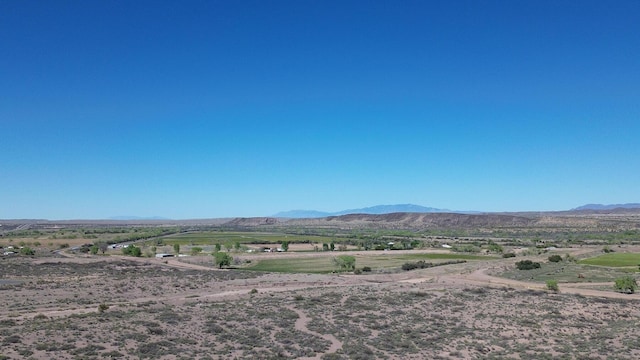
<point>132,250</point>
<point>527,265</point>
<point>101,246</point>
<point>425,265</point>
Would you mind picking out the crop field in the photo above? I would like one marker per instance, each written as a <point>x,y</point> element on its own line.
<point>324,264</point>
<point>614,260</point>
<point>226,237</point>
<point>62,303</point>
<point>566,272</point>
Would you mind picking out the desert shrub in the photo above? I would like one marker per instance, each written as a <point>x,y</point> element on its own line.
<point>112,354</point>
<point>410,266</point>
<point>552,285</point>
<point>27,251</point>
<point>211,326</point>
<point>12,339</point>
<point>607,250</point>
<point>7,322</point>
<point>626,284</point>
<point>88,351</point>
<point>508,255</point>
<point>196,250</point>
<point>555,258</point>
<point>155,330</point>
<point>366,269</point>
<point>102,308</point>
<point>253,291</point>
<point>357,271</point>
<point>527,265</point>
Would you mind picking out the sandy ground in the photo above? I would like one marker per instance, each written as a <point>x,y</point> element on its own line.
<point>66,288</point>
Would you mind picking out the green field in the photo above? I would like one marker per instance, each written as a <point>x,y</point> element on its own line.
<point>614,260</point>
<point>225,237</point>
<point>324,264</point>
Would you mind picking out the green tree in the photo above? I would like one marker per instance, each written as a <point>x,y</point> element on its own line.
<point>285,246</point>
<point>325,247</point>
<point>132,250</point>
<point>94,249</point>
<point>218,247</point>
<point>332,246</point>
<point>222,259</point>
<point>495,248</point>
<point>345,262</point>
<point>626,284</point>
<point>176,248</point>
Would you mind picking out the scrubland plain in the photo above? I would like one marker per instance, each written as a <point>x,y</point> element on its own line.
<point>65,303</point>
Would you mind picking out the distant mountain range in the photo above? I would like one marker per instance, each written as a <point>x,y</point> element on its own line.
<point>608,207</point>
<point>125,217</point>
<point>373,210</point>
<point>386,209</point>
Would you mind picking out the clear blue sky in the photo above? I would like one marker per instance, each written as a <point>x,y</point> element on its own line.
<point>197,109</point>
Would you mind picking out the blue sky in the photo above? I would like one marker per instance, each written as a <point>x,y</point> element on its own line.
<point>202,109</point>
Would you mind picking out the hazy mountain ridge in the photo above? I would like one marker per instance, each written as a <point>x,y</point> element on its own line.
<point>372,210</point>
<point>131,217</point>
<point>607,207</point>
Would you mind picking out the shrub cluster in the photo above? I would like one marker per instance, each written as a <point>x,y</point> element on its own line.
<point>508,255</point>
<point>27,251</point>
<point>626,284</point>
<point>527,265</point>
<point>555,258</point>
<point>132,250</point>
<point>424,265</point>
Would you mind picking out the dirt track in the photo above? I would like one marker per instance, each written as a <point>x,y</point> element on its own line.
<point>462,275</point>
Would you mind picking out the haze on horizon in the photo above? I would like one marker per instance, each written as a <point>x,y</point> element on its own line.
<point>205,109</point>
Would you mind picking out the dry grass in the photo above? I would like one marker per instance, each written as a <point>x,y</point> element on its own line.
<point>155,311</point>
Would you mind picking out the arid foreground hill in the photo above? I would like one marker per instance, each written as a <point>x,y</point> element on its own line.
<point>592,220</point>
